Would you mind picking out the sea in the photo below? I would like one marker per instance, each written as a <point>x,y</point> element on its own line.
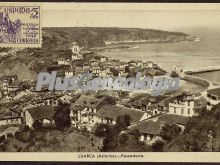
<point>189,55</point>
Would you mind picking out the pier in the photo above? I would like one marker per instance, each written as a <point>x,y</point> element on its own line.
<point>203,70</point>
<point>188,75</point>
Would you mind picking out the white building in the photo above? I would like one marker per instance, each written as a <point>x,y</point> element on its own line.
<point>63,61</point>
<point>182,105</point>
<point>68,73</point>
<point>213,97</point>
<point>108,114</point>
<point>43,114</point>
<point>83,111</point>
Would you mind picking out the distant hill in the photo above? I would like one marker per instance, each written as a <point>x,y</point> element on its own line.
<point>91,37</point>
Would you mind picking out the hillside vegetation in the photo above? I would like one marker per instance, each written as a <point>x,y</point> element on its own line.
<point>57,43</point>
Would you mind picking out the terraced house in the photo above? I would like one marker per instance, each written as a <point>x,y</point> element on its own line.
<point>213,97</point>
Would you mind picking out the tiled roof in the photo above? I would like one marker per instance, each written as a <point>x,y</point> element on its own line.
<point>88,101</point>
<point>41,112</point>
<point>113,111</point>
<point>154,72</point>
<point>9,115</point>
<point>153,125</point>
<point>214,91</point>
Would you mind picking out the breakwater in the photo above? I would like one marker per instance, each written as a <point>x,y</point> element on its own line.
<point>203,82</point>
<point>203,70</point>
<point>197,80</point>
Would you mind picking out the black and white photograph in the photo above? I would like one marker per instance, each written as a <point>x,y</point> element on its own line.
<point>109,80</point>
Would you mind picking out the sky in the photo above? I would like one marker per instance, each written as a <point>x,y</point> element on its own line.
<point>165,19</point>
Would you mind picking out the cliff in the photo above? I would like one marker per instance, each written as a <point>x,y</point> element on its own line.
<point>91,37</point>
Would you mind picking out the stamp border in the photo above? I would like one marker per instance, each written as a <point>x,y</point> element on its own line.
<point>25,45</point>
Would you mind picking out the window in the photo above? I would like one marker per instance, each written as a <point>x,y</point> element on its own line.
<point>182,111</point>
<point>188,111</point>
<point>174,110</point>
<point>208,103</point>
<point>214,98</point>
<point>188,103</point>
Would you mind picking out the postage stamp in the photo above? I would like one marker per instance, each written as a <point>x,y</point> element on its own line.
<point>20,26</point>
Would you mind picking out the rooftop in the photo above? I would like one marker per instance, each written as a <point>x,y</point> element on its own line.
<point>154,72</point>
<point>41,112</point>
<point>214,91</point>
<point>113,111</point>
<point>88,101</point>
<point>153,125</point>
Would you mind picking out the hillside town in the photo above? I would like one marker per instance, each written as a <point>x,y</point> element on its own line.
<point>90,113</point>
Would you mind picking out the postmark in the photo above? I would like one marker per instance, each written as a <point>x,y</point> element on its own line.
<point>20,26</point>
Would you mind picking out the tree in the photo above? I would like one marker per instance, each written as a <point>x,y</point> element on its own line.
<point>101,130</point>
<point>37,124</point>
<point>216,111</point>
<point>169,132</point>
<point>123,139</point>
<point>123,121</point>
<point>158,146</point>
<point>196,135</point>
<point>62,116</point>
<point>136,134</point>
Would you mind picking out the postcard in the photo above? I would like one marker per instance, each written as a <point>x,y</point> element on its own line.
<point>109,82</point>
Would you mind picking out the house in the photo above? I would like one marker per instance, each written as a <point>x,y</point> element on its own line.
<point>13,86</point>
<point>150,104</point>
<point>84,51</point>
<point>94,62</point>
<point>10,78</point>
<point>79,69</point>
<point>51,100</point>
<point>108,114</point>
<point>153,73</point>
<point>182,105</point>
<point>63,61</point>
<point>109,74</point>
<point>21,94</point>
<point>33,85</point>
<point>213,97</point>
<point>114,61</point>
<point>77,52</point>
<point>66,98</point>
<point>139,63</point>
<point>123,64</point>
<point>69,73</point>
<point>121,73</point>
<point>95,70</point>
<point>108,66</point>
<point>85,66</point>
<point>8,131</point>
<point>150,128</point>
<point>75,56</point>
<point>133,63</point>
<point>83,111</point>
<point>102,72</point>
<point>103,58</point>
<point>148,64</point>
<point>10,84</point>
<point>43,114</point>
<point>9,117</point>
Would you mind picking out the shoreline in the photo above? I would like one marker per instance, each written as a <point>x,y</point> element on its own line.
<point>129,45</point>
